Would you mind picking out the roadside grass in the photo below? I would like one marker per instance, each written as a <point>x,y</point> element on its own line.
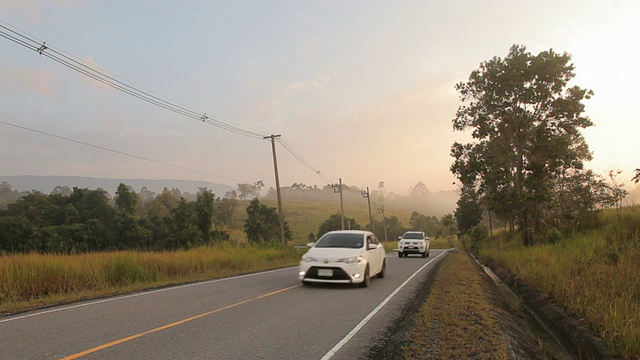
<point>458,319</point>
<point>595,275</point>
<point>35,280</point>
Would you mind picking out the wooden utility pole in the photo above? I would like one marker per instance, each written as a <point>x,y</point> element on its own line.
<point>339,186</point>
<point>365,194</point>
<point>384,223</point>
<point>275,169</point>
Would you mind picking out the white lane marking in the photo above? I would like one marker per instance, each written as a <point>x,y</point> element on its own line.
<point>364,321</point>
<point>140,294</point>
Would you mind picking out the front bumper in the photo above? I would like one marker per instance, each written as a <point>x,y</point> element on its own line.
<point>337,273</point>
<point>411,250</point>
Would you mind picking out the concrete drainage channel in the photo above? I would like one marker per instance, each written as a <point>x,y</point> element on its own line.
<point>551,344</point>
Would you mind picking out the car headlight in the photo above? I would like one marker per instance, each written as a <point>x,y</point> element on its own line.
<point>352,260</point>
<point>308,259</point>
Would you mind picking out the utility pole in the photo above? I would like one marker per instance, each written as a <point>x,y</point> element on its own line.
<point>339,186</point>
<point>365,194</point>
<point>275,169</point>
<point>384,218</point>
<point>384,222</point>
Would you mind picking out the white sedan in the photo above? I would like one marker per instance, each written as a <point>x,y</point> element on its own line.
<point>344,257</point>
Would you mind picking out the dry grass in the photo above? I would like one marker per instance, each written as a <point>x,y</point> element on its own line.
<point>595,275</point>
<point>458,320</point>
<point>33,280</point>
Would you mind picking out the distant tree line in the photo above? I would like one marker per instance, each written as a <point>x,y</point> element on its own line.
<point>431,225</point>
<point>83,220</point>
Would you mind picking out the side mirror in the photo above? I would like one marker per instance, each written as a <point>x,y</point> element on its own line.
<point>399,237</point>
<point>372,247</point>
<point>310,245</point>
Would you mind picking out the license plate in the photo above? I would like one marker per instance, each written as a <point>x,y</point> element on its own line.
<point>325,272</point>
<point>410,247</point>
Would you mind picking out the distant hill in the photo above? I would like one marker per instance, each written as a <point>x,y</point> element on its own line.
<point>46,184</point>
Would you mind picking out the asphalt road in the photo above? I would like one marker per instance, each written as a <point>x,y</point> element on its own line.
<point>266,315</point>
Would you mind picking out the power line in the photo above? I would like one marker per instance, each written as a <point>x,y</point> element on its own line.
<point>119,152</point>
<point>304,161</point>
<point>103,76</point>
<point>89,70</point>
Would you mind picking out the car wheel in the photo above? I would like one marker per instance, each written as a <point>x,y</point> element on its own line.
<point>424,254</point>
<point>383,270</point>
<point>367,278</point>
<point>427,254</point>
<point>399,254</point>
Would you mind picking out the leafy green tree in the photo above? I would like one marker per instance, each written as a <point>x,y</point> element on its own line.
<point>15,232</point>
<point>449,224</point>
<point>146,195</point>
<point>525,121</point>
<point>429,224</point>
<point>224,211</point>
<point>263,224</point>
<point>162,205</point>
<point>468,213</point>
<point>204,213</point>
<point>334,222</point>
<point>185,233</point>
<point>92,204</point>
<point>394,228</point>
<point>33,207</point>
<point>127,200</point>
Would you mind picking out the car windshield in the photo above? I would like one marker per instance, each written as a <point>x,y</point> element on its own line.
<point>353,241</point>
<point>413,235</point>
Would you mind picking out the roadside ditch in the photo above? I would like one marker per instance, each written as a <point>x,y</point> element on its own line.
<point>560,332</point>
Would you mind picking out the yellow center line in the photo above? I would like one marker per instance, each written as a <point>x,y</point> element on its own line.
<point>164,327</point>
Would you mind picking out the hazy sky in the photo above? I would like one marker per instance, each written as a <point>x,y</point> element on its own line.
<point>363,90</point>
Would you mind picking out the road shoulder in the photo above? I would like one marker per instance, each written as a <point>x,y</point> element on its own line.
<point>459,313</point>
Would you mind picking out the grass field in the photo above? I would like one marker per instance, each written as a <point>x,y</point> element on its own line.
<point>34,280</point>
<point>594,274</point>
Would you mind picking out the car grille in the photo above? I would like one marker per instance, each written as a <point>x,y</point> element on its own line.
<point>338,273</point>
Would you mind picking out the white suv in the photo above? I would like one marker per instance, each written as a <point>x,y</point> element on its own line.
<point>413,242</point>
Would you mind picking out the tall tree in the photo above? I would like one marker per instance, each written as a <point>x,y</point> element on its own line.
<point>204,213</point>
<point>526,124</point>
<point>225,209</point>
<point>468,214</point>
<point>127,200</point>
<point>263,224</point>
<point>185,233</point>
